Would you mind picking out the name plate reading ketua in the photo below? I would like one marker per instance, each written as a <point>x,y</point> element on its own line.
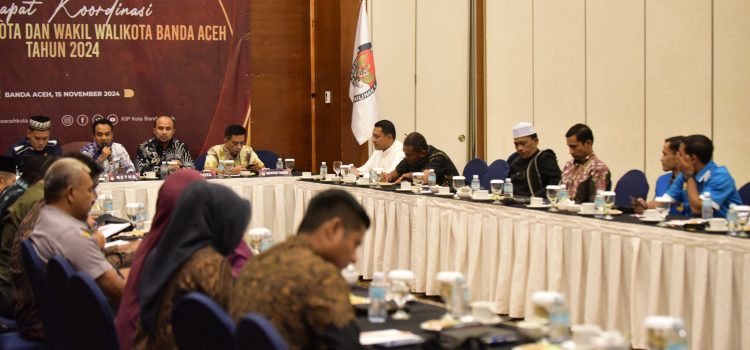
<point>208,174</point>
<point>123,177</point>
<point>274,172</point>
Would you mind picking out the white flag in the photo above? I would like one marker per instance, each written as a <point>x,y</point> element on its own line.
<point>363,83</point>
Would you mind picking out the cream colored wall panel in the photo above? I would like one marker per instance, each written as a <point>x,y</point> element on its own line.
<point>509,87</point>
<point>615,76</point>
<point>678,74</point>
<point>559,71</point>
<point>393,37</point>
<point>732,87</point>
<point>443,75</point>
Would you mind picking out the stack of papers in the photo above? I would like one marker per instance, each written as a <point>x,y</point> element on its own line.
<point>389,338</point>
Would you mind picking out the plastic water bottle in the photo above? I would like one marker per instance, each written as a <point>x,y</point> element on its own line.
<point>562,195</point>
<point>279,164</point>
<point>559,321</point>
<point>432,178</point>
<point>732,220</point>
<point>323,170</point>
<point>163,170</point>
<point>508,188</point>
<point>707,209</point>
<point>599,204</point>
<point>107,205</point>
<point>378,310</point>
<point>475,183</point>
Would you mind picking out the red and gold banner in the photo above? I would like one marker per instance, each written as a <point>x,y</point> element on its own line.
<point>127,60</point>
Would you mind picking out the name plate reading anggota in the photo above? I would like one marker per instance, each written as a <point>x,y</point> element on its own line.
<point>123,177</point>
<point>275,172</point>
<point>208,175</point>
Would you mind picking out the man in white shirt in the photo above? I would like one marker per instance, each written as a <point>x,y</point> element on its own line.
<point>388,151</point>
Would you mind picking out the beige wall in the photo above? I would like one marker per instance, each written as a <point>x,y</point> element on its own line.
<point>636,72</point>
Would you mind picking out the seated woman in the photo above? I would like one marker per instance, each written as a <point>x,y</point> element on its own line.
<point>206,226</point>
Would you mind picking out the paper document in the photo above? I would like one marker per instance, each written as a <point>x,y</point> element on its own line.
<point>389,337</point>
<point>111,229</point>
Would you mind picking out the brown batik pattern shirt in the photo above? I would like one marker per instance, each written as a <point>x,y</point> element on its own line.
<point>584,178</point>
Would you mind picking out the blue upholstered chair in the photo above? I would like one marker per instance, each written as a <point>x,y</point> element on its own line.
<point>200,162</point>
<point>267,157</point>
<point>745,194</point>
<point>632,184</point>
<point>37,278</point>
<point>497,170</point>
<point>475,166</point>
<point>199,322</point>
<point>88,313</point>
<point>256,332</point>
<point>59,273</point>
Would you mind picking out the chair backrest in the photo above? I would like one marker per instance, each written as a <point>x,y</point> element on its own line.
<point>37,274</point>
<point>475,166</point>
<point>199,322</point>
<point>59,273</point>
<point>662,184</point>
<point>255,332</point>
<point>89,322</point>
<point>745,194</point>
<point>497,170</point>
<point>632,184</point>
<point>200,162</point>
<point>73,146</point>
<point>267,157</point>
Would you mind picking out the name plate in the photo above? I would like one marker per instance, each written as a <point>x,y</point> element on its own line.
<point>274,172</point>
<point>123,177</point>
<point>208,174</point>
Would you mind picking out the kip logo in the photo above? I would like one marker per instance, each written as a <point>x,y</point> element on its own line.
<point>363,73</point>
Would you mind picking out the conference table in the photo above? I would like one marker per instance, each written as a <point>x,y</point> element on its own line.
<point>613,273</point>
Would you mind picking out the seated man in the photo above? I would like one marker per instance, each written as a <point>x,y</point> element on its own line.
<point>531,169</point>
<point>585,173</point>
<point>7,172</point>
<point>670,160</point>
<point>699,174</point>
<point>36,143</point>
<point>112,156</point>
<point>162,148</point>
<point>234,148</point>
<point>297,284</point>
<point>388,151</point>
<point>60,229</point>
<point>420,156</point>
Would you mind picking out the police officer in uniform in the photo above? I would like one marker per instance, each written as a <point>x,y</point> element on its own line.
<point>36,143</point>
<point>531,169</point>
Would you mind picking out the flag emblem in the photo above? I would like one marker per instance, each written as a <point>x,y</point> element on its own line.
<point>363,72</point>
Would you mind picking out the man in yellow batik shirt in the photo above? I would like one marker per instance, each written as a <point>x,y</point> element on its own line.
<point>234,148</point>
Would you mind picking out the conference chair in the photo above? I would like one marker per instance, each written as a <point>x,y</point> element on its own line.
<point>497,170</point>
<point>36,274</point>
<point>89,322</point>
<point>745,194</point>
<point>255,332</point>
<point>631,185</point>
<point>268,158</point>
<point>475,166</point>
<point>200,162</point>
<point>59,273</point>
<point>662,184</point>
<point>199,323</point>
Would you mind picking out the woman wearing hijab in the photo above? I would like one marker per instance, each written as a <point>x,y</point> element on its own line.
<point>206,226</point>
<point>129,313</point>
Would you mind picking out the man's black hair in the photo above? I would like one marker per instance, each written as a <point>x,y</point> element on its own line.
<point>330,204</point>
<point>674,142</point>
<point>701,146</point>
<point>416,141</point>
<point>387,127</point>
<point>582,133</point>
<point>233,130</point>
<point>103,121</point>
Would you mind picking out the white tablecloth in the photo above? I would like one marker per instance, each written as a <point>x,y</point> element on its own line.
<point>613,274</point>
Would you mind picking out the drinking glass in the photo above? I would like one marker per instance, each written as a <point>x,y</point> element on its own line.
<point>289,164</point>
<point>458,182</point>
<point>609,201</point>
<point>497,189</point>
<point>552,191</point>
<point>256,237</point>
<point>543,302</point>
<point>663,331</point>
<point>337,167</point>
<point>662,206</point>
<point>228,166</point>
<point>417,180</point>
<point>450,284</point>
<point>140,216</point>
<point>742,212</point>
<point>400,291</point>
<point>132,211</point>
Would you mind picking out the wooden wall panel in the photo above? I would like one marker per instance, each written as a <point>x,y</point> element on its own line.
<point>732,87</point>
<point>280,78</point>
<point>559,71</point>
<point>615,82</point>
<point>678,74</point>
<point>510,71</point>
<point>442,95</point>
<point>394,47</point>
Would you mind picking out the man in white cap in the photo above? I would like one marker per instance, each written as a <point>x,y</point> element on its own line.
<point>36,143</point>
<point>531,169</point>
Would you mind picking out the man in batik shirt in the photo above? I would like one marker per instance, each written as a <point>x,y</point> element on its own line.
<point>585,173</point>
<point>233,148</point>
<point>112,156</point>
<point>162,148</point>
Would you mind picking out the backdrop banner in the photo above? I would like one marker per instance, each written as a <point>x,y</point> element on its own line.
<point>130,61</point>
